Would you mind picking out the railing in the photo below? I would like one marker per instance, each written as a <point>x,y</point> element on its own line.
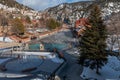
<point>8,52</point>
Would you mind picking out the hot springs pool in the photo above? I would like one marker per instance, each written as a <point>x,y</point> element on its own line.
<point>48,46</point>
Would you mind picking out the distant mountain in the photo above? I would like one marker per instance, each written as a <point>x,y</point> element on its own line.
<point>15,4</point>
<point>74,11</point>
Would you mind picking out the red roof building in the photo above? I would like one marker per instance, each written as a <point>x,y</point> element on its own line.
<point>80,25</point>
<point>81,22</point>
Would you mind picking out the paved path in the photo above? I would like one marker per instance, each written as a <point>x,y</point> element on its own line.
<point>10,44</point>
<point>72,70</point>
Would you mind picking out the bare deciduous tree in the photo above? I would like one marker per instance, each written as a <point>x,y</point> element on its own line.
<point>115,25</point>
<point>4,23</point>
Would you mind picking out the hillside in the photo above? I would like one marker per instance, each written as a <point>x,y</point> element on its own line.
<point>113,24</point>
<point>14,3</point>
<point>74,11</point>
<point>12,7</point>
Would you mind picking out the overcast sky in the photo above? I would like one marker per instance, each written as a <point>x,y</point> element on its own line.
<point>43,4</point>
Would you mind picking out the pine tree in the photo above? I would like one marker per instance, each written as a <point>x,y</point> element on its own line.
<point>93,42</point>
<point>52,24</point>
<point>28,20</point>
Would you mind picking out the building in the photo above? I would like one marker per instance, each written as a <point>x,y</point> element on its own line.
<point>80,26</point>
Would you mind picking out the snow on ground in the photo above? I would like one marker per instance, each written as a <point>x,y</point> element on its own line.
<point>110,71</point>
<point>48,55</point>
<point>9,75</point>
<point>73,51</point>
<point>7,39</point>
<point>113,42</point>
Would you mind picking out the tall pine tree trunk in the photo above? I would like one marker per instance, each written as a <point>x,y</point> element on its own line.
<point>97,68</point>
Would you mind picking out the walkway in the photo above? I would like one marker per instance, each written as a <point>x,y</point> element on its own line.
<point>72,70</point>
<point>10,44</point>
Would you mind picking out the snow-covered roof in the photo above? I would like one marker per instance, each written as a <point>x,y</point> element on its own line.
<point>7,39</point>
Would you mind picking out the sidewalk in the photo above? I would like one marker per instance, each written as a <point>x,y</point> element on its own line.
<point>10,44</point>
<point>72,70</point>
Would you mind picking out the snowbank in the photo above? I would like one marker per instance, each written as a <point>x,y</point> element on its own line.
<point>110,71</point>
<point>7,39</point>
<point>112,42</point>
<point>10,75</point>
<point>48,55</point>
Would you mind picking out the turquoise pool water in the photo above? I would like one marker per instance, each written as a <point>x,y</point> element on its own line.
<point>48,46</point>
<point>34,46</point>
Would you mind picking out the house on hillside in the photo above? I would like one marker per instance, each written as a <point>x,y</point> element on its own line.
<point>80,26</point>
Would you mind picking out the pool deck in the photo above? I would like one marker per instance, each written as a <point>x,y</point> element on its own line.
<point>45,67</point>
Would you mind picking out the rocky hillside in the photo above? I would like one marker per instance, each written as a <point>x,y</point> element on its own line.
<point>13,3</point>
<point>15,9</point>
<point>113,24</point>
<point>74,11</point>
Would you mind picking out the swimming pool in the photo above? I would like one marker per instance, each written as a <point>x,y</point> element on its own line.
<point>51,46</point>
<point>34,46</point>
<point>47,46</point>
